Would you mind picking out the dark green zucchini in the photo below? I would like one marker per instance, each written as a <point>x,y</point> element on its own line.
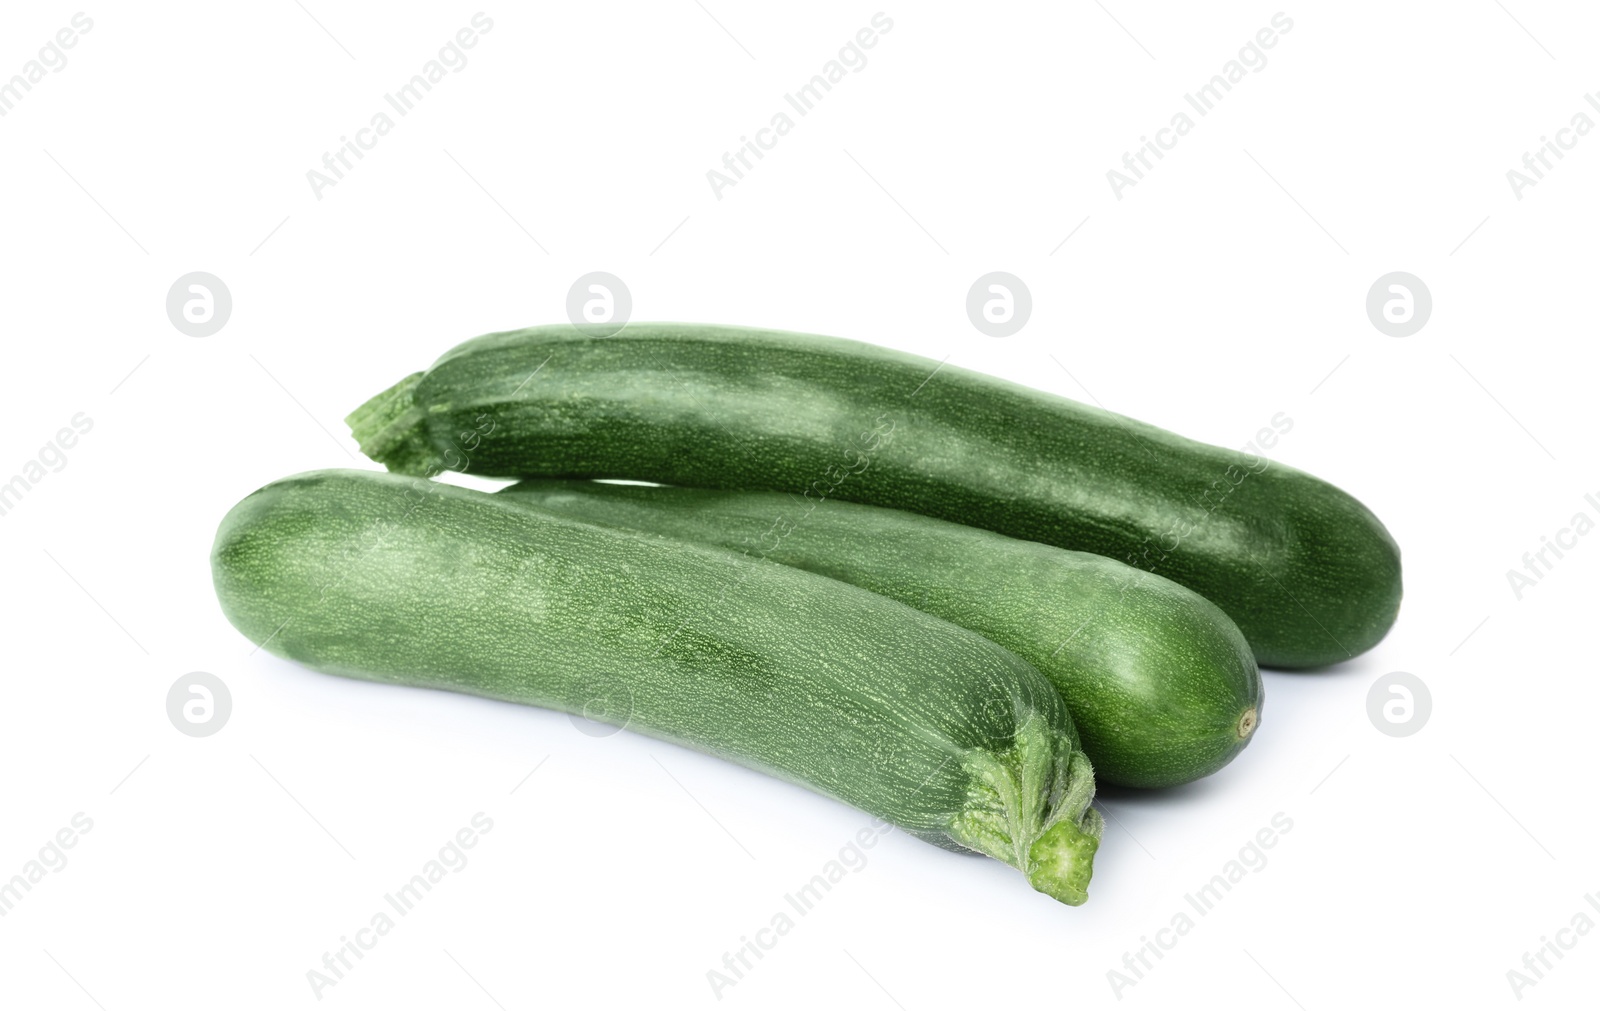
<point>1308,573</point>
<point>1160,684</point>
<point>927,725</point>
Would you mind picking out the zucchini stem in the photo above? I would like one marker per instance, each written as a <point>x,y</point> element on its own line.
<point>389,428</point>
<point>1030,807</point>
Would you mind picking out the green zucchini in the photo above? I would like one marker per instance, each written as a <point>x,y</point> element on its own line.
<point>927,725</point>
<point>1308,573</point>
<point>1159,682</point>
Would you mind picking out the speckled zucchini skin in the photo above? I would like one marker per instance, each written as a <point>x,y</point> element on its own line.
<point>1308,573</point>
<point>925,724</point>
<point>1160,684</point>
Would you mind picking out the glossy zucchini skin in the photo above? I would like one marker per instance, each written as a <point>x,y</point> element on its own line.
<point>925,724</point>
<point>1161,686</point>
<point>1310,576</point>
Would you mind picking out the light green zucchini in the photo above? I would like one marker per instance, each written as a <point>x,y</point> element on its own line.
<point>922,723</point>
<point>1160,684</point>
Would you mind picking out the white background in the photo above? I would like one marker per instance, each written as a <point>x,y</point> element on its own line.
<point>1226,287</point>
